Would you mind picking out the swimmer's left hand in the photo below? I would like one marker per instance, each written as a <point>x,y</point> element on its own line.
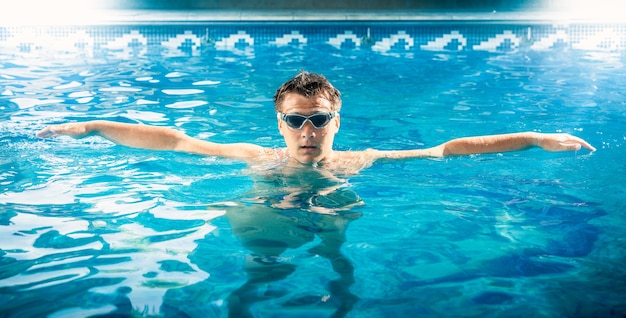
<point>562,142</point>
<point>74,130</point>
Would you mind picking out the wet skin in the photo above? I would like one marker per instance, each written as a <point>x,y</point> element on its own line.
<point>308,145</point>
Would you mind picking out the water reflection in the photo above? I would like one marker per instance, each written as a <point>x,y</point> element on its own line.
<point>87,228</point>
<point>121,254</point>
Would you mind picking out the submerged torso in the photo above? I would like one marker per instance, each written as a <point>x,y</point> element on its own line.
<point>289,205</point>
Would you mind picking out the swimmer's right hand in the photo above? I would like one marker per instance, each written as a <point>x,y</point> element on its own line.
<point>75,130</point>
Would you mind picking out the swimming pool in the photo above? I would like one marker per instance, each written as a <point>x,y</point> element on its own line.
<point>90,228</point>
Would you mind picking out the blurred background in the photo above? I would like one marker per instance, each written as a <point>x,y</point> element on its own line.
<point>357,5</point>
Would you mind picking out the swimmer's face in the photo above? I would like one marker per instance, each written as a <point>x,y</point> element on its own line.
<point>308,144</point>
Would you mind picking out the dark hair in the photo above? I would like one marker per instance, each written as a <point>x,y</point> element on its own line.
<point>308,85</point>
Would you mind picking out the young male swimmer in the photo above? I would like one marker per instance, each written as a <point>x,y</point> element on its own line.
<point>307,108</point>
<point>307,203</point>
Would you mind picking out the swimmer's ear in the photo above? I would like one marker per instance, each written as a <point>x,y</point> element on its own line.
<point>337,122</point>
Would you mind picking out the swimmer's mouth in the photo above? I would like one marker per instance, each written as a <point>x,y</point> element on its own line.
<point>308,147</point>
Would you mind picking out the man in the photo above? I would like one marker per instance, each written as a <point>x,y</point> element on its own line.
<point>306,203</point>
<point>307,109</point>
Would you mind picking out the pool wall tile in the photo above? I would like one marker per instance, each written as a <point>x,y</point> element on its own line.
<point>381,37</point>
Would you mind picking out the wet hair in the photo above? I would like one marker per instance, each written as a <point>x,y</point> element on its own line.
<point>308,85</point>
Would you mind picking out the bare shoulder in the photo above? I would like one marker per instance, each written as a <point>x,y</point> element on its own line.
<point>268,157</point>
<point>353,161</point>
<point>357,155</point>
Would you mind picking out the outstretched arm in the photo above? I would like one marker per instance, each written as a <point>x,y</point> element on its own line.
<point>151,137</point>
<point>494,143</point>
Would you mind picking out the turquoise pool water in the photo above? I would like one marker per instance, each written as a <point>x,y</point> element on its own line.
<point>88,228</point>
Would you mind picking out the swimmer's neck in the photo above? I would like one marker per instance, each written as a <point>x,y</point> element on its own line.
<point>326,160</point>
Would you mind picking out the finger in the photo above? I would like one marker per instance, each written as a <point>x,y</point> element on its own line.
<point>569,146</point>
<point>582,143</point>
<point>45,133</point>
<point>587,145</point>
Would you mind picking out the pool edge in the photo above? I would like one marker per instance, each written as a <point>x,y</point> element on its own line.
<point>108,16</point>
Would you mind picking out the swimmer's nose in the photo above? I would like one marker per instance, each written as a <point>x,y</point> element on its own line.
<point>308,131</point>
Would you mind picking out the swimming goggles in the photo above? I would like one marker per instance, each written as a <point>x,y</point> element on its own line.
<point>318,120</point>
